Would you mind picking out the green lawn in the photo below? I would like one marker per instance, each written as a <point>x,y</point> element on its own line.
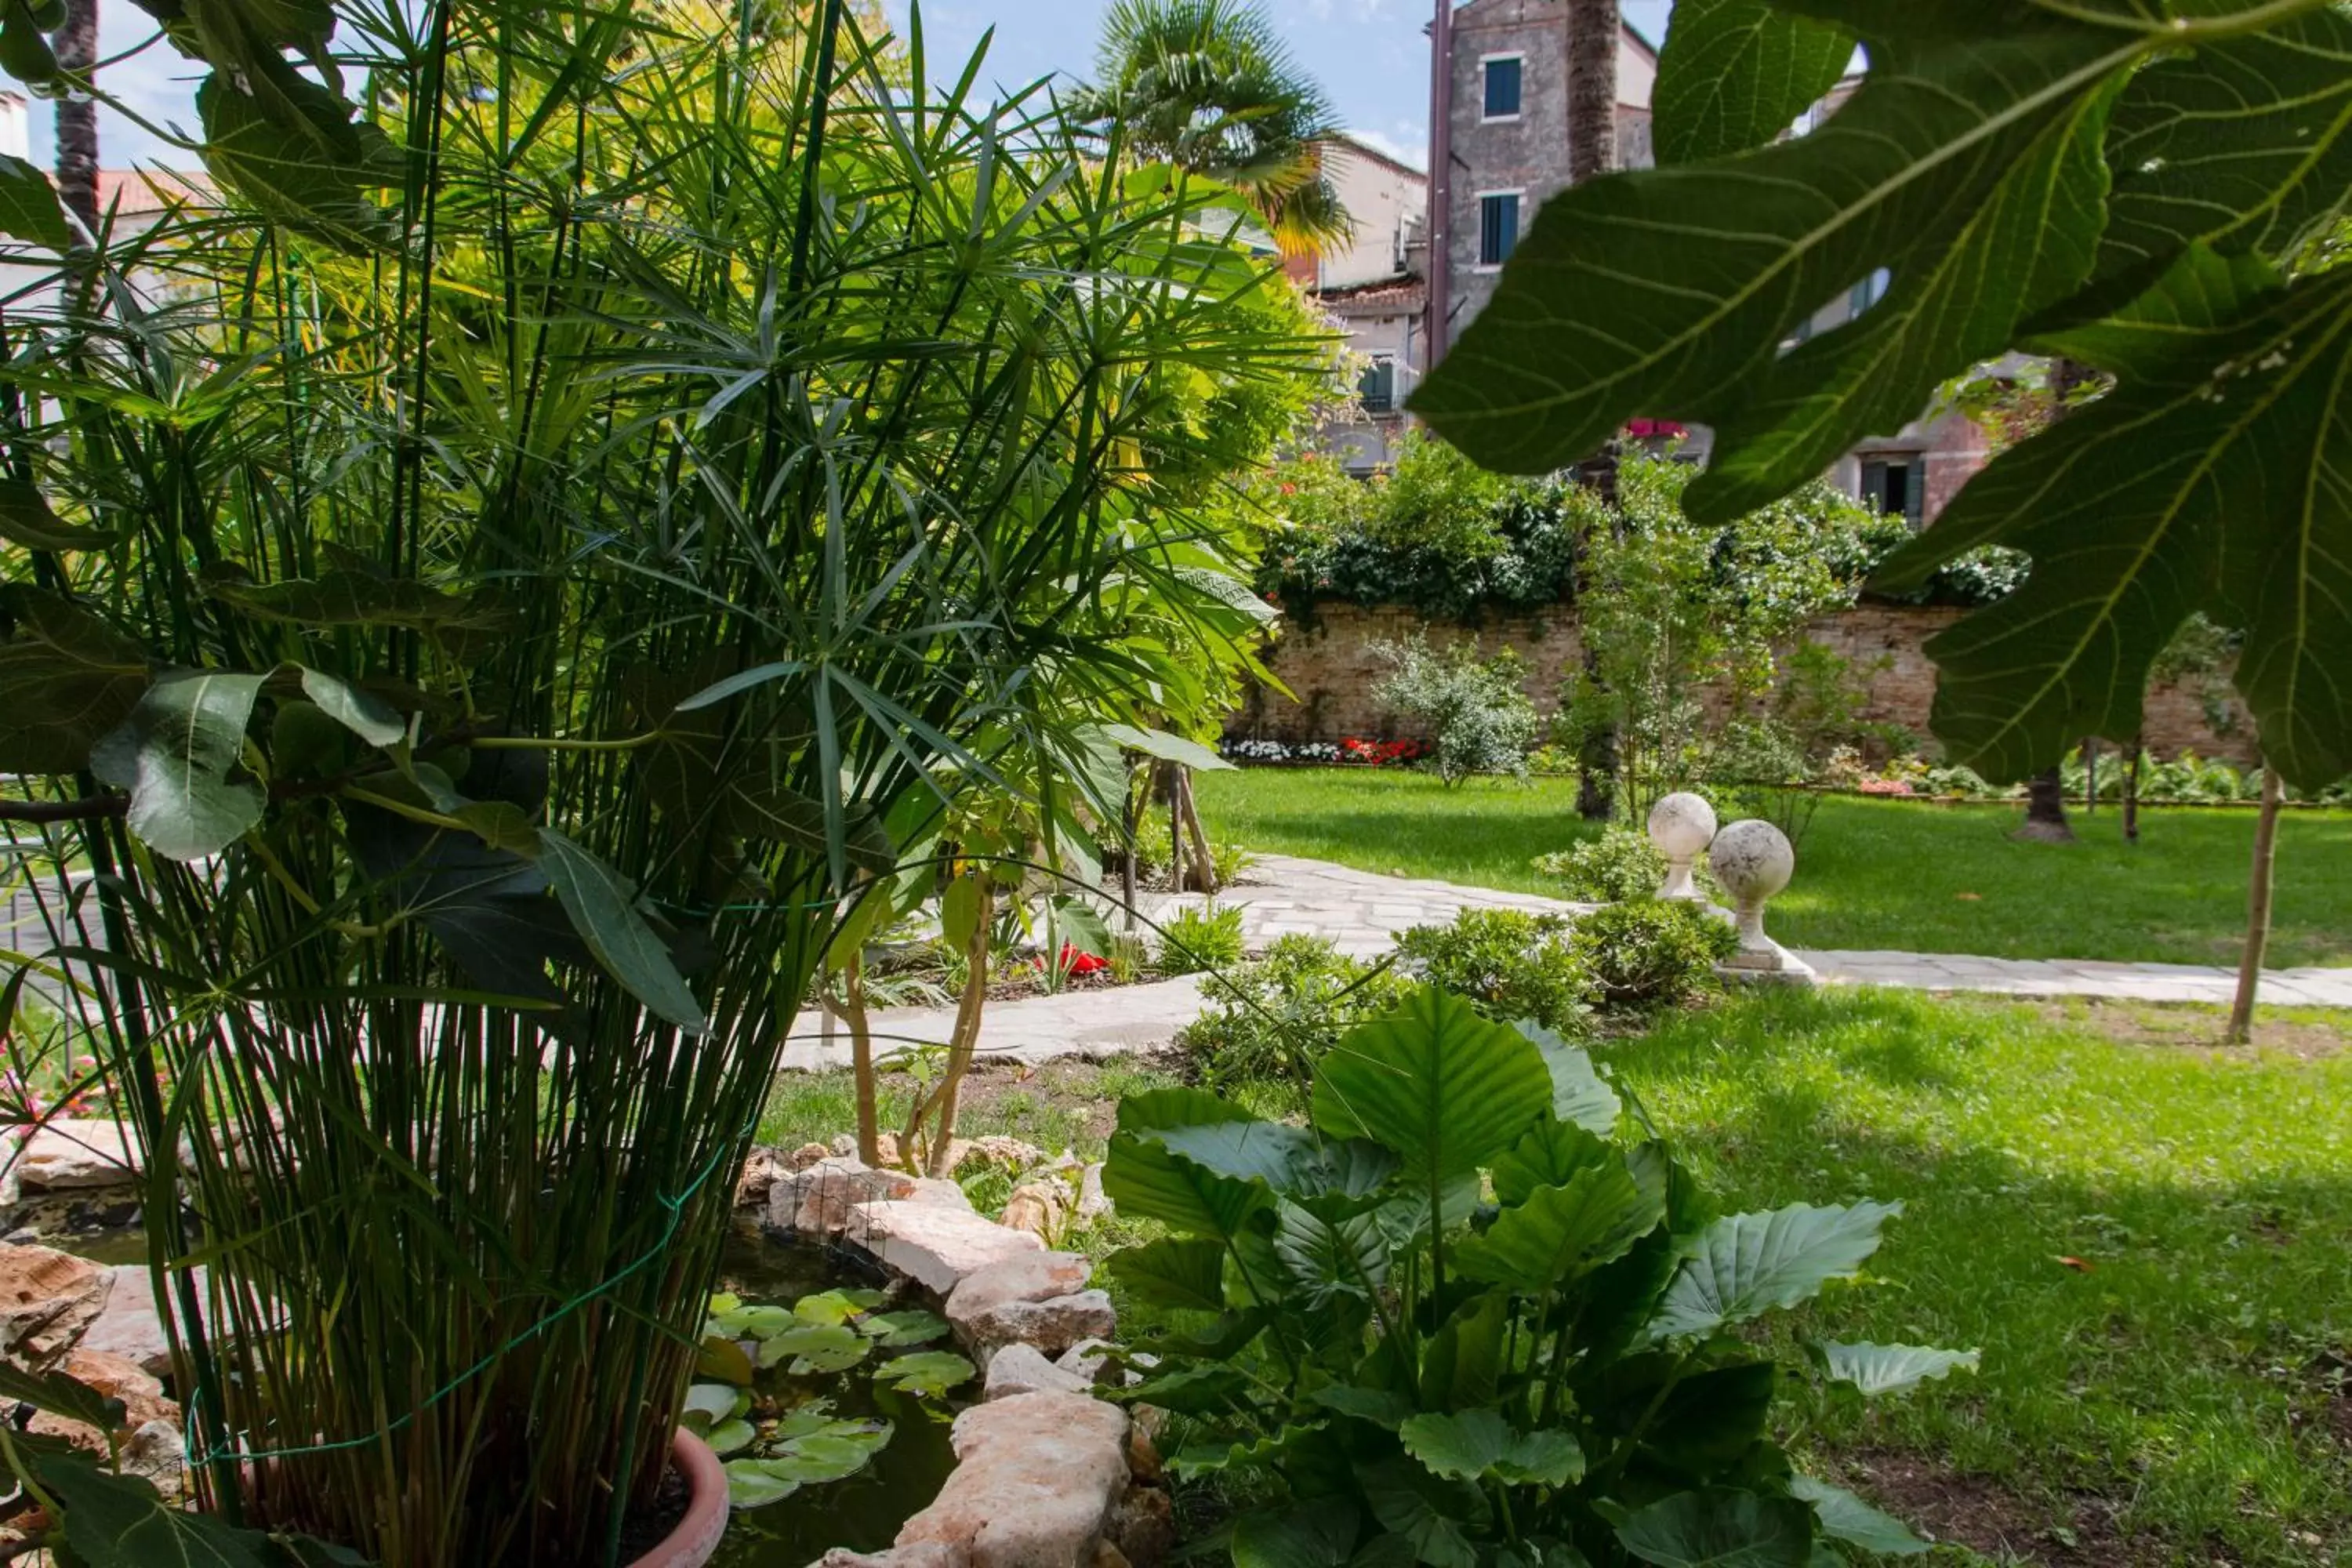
<point>2177,1394</point>
<point>1870,874</point>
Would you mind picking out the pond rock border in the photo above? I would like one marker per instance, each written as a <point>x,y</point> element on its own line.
<point>1047,1475</point>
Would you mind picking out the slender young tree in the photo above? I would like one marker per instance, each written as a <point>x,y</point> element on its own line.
<point>2258,909</point>
<point>1594,30</point>
<point>77,118</point>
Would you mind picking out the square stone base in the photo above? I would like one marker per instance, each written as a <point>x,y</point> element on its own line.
<point>1776,967</point>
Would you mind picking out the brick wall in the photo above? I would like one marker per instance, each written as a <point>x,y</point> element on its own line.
<point>1332,673</point>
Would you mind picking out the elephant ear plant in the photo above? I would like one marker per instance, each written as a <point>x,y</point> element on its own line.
<point>1458,1321</point>
<point>467,678</point>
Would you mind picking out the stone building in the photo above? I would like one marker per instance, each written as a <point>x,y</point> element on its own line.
<point>1371,288</point>
<point>1500,93</point>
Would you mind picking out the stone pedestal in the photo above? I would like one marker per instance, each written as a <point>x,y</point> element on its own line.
<point>1754,861</point>
<point>1682,826</point>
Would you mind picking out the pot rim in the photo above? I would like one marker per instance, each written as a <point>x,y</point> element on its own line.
<point>697,1533</point>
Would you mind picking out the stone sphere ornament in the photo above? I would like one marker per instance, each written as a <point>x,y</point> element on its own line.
<point>1754,861</point>
<point>1682,826</point>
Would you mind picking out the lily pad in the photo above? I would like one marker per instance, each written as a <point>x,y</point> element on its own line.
<point>713,1403</point>
<point>894,1331</point>
<point>753,1322</point>
<point>815,1349</point>
<point>722,1360</point>
<point>926,1372</point>
<point>750,1484</point>
<point>731,1438</point>
<point>834,1307</point>
<point>840,1450</point>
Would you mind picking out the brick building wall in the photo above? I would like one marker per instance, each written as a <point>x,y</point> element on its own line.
<point>1333,673</point>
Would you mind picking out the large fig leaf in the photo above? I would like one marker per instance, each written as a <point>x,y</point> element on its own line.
<point>1735,74</point>
<point>603,907</point>
<point>1442,1086</point>
<point>67,682</point>
<point>2211,478</point>
<point>1745,1265</point>
<point>182,757</point>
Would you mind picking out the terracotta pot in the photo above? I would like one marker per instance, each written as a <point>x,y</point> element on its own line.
<point>691,1544</point>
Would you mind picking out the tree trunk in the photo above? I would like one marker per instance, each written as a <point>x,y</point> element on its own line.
<point>1189,811</point>
<point>2045,810</point>
<point>2089,776</point>
<point>77,116</point>
<point>1131,820</point>
<point>2258,909</point>
<point>861,1059</point>
<point>962,1041</point>
<point>1594,30</point>
<point>2131,789</point>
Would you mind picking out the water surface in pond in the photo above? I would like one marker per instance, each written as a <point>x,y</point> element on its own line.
<point>863,1512</point>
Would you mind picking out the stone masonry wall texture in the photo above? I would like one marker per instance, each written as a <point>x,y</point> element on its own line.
<point>1332,671</point>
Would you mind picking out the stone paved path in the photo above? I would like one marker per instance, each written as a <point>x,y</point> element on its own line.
<point>1362,911</point>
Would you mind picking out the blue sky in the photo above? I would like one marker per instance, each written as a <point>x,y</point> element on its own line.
<point>1370,55</point>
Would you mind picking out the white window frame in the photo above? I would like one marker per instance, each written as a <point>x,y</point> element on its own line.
<point>1520,192</point>
<point>1486,60</point>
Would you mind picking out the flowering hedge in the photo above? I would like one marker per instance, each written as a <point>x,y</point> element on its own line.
<point>1350,751</point>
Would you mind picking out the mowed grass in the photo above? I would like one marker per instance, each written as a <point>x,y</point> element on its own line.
<point>2150,1241</point>
<point>1917,876</point>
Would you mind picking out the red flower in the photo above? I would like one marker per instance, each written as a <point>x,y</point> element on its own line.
<point>1073,962</point>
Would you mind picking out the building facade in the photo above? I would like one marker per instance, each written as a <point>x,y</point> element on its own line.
<point>1371,288</point>
<point>1500,91</point>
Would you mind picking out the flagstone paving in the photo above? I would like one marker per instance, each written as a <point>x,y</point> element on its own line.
<point>1360,911</point>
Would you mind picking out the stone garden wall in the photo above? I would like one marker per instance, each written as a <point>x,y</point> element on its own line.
<point>1331,670</point>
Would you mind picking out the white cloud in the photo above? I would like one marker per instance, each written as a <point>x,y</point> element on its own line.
<point>1411,147</point>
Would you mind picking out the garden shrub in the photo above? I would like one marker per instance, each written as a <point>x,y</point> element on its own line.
<point>1509,964</point>
<point>1206,937</point>
<point>1389,1372</point>
<point>1275,1018</point>
<point>1649,952</point>
<point>1619,865</point>
<point>1479,717</point>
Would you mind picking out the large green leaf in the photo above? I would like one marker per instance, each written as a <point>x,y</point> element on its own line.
<point>68,681</point>
<point>1441,1086</point>
<point>29,208</point>
<point>1144,1178</point>
<point>363,713</point>
<point>2211,478</point>
<point>1331,1258</point>
<point>1173,1272</point>
<point>602,908</point>
<point>1735,74</point>
<point>1846,1517</point>
<point>1550,1156</point>
<point>350,597</point>
<point>1437,1519</point>
<point>1580,1095</point>
<point>1476,1445</point>
<point>292,148</point>
<point>1745,1265</point>
<point>1890,1369</point>
<point>1316,1533</point>
<point>26,515</point>
<point>1562,1234</point>
<point>182,757</point>
<point>1667,292</point>
<point>1720,1529</point>
<point>120,1522</point>
<point>1166,747</point>
<point>2245,144</point>
<point>1266,1151</point>
<point>2036,233</point>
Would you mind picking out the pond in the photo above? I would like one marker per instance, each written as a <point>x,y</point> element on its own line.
<point>862,1510</point>
<point>894,1477</point>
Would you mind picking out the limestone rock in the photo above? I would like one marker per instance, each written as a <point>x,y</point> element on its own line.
<point>1144,1527</point>
<point>1093,1202</point>
<point>157,1452</point>
<point>1038,1482</point>
<point>1053,1326</point>
<point>940,1190</point>
<point>114,1378</point>
<point>1143,1461</point>
<point>48,1300</point>
<point>817,1200</point>
<point>760,1174</point>
<point>1041,1206</point>
<point>923,1555</point>
<point>67,1153</point>
<point>808,1154</point>
<point>935,1244</point>
<point>1023,1369</point>
<point>1091,1359</point>
<point>1035,1276</point>
<point>993,1152</point>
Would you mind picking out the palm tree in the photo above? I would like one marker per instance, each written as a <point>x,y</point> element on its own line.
<point>1210,87</point>
<point>1593,27</point>
<point>77,48</point>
